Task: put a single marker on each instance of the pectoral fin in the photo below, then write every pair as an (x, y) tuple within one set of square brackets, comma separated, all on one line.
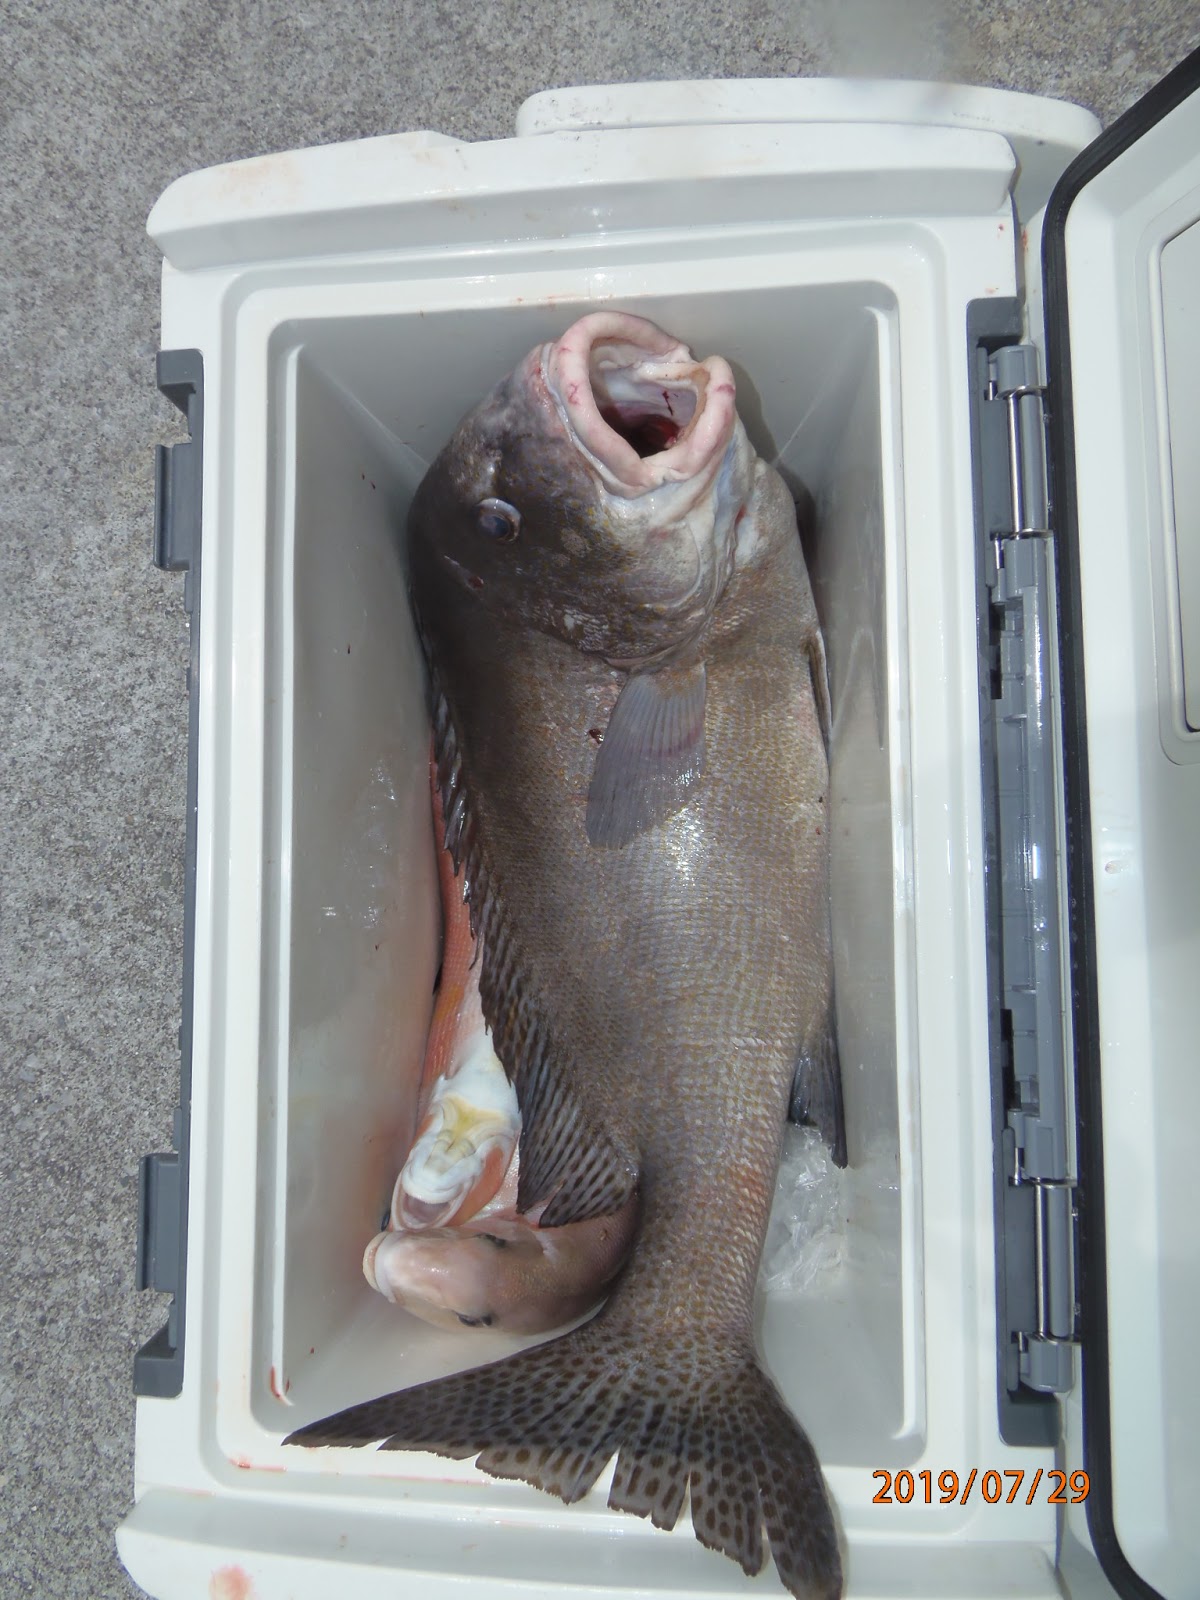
[(652, 756)]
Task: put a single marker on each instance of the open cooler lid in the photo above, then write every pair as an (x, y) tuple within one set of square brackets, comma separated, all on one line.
[(1121, 269)]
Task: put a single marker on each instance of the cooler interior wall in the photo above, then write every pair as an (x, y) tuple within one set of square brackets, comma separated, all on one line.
[(359, 406)]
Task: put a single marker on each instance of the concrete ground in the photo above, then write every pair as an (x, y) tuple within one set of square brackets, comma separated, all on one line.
[(101, 106)]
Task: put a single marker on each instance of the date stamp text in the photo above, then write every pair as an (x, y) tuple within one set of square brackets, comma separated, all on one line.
[(953, 1488)]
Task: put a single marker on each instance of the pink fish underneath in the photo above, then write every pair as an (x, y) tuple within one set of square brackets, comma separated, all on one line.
[(469, 1123), (501, 1271)]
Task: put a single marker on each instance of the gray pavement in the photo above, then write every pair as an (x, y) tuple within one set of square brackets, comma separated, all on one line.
[(102, 104)]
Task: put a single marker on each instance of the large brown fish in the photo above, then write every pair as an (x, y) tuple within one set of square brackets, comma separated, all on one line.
[(628, 703)]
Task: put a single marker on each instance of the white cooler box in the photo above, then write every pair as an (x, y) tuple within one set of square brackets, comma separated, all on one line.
[(894, 271)]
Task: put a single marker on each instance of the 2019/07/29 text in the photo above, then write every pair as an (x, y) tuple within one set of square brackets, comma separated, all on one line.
[(901, 1487)]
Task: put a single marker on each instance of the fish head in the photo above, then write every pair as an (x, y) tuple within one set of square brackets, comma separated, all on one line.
[(456, 1277), (594, 493)]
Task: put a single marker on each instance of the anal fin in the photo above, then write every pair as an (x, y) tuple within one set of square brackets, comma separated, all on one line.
[(567, 1164)]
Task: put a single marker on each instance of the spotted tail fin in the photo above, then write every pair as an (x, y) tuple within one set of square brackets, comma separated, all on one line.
[(680, 1413)]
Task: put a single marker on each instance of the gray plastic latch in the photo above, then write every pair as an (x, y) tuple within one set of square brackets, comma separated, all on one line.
[(158, 1233), (177, 467), (1021, 788), (162, 1219)]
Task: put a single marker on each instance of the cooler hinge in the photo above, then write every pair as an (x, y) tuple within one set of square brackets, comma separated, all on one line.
[(1036, 1146), (1022, 804)]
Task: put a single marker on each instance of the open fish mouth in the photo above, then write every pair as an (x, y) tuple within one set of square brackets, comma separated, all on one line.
[(638, 403)]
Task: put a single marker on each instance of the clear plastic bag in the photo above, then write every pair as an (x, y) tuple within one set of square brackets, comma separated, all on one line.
[(806, 1237)]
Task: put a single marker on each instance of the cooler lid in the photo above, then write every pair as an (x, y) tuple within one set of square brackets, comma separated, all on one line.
[(1121, 270)]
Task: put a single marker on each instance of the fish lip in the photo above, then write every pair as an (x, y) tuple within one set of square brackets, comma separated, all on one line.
[(701, 444), (368, 1264)]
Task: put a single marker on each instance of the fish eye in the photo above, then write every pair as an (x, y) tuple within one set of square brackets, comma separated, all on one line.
[(498, 520)]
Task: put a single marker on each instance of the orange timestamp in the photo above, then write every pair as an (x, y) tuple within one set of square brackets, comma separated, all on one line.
[(992, 1486)]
